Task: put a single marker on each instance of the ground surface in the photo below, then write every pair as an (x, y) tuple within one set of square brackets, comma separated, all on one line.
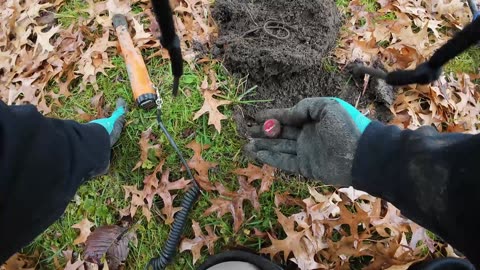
[(284, 65)]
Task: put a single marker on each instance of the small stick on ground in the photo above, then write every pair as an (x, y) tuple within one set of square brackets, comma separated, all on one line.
[(366, 79)]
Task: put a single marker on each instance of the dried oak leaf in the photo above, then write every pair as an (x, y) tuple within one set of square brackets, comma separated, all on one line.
[(233, 202), (18, 262), (150, 184), (98, 103), (354, 194), (142, 198), (94, 60), (141, 37), (138, 200), (354, 220), (204, 183), (68, 254), (266, 174), (84, 227), (74, 266), (43, 38), (295, 243), (195, 245), (286, 199), (201, 166), (163, 191), (392, 220), (110, 241), (145, 146), (210, 106)]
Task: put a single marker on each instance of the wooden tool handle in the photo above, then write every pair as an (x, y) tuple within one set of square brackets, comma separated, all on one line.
[(141, 84)]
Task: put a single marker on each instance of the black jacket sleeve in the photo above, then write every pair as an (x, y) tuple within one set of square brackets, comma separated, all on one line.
[(42, 163), (433, 178)]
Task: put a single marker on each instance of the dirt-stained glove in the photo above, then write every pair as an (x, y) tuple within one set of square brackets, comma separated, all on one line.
[(114, 124), (318, 139)]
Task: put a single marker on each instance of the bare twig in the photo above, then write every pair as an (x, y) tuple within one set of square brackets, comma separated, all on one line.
[(366, 79)]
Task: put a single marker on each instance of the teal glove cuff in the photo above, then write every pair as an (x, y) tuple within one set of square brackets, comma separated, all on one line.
[(358, 118), (109, 123)]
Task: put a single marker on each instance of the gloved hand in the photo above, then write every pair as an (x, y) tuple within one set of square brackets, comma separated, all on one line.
[(318, 139), (423, 74), (114, 124)]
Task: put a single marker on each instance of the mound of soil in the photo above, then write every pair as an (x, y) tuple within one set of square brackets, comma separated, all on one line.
[(281, 45)]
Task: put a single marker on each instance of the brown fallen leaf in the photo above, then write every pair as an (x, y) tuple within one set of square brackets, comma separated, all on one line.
[(266, 174), (195, 245), (286, 199), (163, 191), (233, 202), (153, 186), (74, 266), (252, 172), (197, 162), (146, 138), (68, 254), (43, 38), (204, 183), (210, 106), (220, 206), (137, 200), (354, 220), (94, 60), (295, 243), (84, 226), (100, 240), (110, 241), (98, 103), (150, 184), (392, 221), (18, 262)]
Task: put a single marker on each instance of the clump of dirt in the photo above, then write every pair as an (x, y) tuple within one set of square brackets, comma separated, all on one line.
[(282, 47)]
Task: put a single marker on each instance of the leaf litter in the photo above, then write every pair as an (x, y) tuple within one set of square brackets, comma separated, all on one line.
[(329, 230), (153, 186), (401, 34), (35, 49)]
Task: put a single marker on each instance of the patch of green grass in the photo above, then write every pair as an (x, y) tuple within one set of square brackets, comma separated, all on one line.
[(342, 3), (384, 43), (361, 22), (370, 5), (70, 12), (389, 16), (467, 62), (329, 65)]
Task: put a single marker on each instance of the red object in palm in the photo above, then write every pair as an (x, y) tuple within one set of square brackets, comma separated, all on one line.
[(272, 128)]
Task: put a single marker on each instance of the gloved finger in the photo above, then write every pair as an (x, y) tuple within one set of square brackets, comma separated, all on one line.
[(120, 109), (301, 113), (121, 103), (276, 145), (282, 161), (288, 132)]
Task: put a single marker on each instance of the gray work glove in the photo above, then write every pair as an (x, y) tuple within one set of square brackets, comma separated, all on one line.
[(318, 139), (114, 124)]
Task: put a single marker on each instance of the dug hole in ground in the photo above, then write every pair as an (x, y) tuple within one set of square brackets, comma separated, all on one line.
[(283, 48)]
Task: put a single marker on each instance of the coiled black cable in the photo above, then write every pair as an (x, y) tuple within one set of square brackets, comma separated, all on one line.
[(170, 248)]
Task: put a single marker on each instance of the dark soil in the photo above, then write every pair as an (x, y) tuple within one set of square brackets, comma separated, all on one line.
[(286, 64)]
